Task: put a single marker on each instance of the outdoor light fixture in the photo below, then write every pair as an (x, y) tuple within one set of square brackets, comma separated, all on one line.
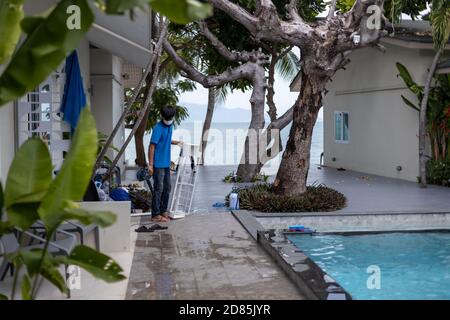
[(356, 39), (399, 168)]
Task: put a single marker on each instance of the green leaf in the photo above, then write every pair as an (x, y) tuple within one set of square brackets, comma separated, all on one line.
[(410, 104), (3, 297), (44, 50), (182, 11), (2, 200), (29, 24), (405, 75), (440, 20), (53, 275), (23, 192), (26, 288), (23, 215), (46, 266), (72, 180), (99, 265), (11, 13), (121, 6), (100, 218), (5, 228)]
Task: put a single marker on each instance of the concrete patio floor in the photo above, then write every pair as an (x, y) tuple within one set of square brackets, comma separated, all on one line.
[(364, 192), (369, 193), (205, 256)]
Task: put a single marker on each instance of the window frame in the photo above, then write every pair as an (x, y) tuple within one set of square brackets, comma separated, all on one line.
[(342, 141)]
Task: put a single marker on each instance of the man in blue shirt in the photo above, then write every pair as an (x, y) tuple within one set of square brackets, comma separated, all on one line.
[(159, 164)]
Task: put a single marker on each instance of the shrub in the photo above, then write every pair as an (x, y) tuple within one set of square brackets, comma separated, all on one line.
[(438, 172), (232, 177), (261, 197)]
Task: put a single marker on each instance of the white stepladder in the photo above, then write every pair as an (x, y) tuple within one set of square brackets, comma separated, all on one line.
[(183, 192)]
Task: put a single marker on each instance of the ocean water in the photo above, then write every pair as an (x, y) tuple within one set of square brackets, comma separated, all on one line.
[(226, 143), (387, 266)]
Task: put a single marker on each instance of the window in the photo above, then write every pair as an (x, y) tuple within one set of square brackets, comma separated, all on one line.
[(341, 132)]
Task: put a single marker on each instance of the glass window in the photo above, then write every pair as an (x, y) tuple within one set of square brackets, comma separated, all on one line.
[(341, 126)]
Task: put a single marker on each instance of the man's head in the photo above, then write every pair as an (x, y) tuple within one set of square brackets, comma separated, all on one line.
[(167, 114)]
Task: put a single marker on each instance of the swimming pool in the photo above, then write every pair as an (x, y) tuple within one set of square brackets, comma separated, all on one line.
[(384, 266)]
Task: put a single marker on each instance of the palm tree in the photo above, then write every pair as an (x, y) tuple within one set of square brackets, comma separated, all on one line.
[(440, 22)]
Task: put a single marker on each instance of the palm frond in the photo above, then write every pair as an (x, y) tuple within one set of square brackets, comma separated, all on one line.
[(440, 20), (221, 94), (288, 66)]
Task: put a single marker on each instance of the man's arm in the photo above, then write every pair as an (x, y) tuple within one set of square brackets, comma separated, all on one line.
[(177, 143), (151, 154)]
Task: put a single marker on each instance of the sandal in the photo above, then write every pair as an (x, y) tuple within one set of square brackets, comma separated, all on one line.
[(157, 227), (144, 229), (160, 218)]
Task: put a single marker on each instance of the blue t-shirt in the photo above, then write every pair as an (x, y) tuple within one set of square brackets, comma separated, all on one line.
[(162, 139)]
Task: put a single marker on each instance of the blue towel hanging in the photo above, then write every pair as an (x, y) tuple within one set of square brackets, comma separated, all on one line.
[(74, 99)]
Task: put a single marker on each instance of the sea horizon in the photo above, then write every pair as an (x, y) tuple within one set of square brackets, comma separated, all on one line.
[(226, 143)]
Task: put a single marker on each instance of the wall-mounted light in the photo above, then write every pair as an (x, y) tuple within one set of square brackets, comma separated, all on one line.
[(356, 39), (399, 168)]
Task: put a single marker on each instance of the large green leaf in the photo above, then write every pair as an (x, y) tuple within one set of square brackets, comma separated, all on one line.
[(2, 200), (28, 180), (43, 50), (72, 180), (182, 11), (11, 13), (121, 6), (440, 20), (96, 263), (100, 218), (3, 297), (179, 11), (5, 228), (405, 75), (45, 265), (410, 104), (26, 288)]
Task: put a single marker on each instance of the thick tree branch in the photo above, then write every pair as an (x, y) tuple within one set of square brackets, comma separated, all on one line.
[(283, 120), (291, 8), (266, 25), (332, 9), (244, 71), (239, 56)]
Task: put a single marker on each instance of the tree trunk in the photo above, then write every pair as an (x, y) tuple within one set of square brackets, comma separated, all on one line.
[(141, 160), (208, 120), (423, 121), (293, 172), (250, 160)]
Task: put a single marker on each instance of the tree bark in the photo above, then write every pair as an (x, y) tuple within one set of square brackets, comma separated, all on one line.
[(250, 160), (141, 160), (293, 172), (423, 121), (208, 120)]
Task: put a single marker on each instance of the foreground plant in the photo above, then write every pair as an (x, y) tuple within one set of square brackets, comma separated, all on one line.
[(31, 197)]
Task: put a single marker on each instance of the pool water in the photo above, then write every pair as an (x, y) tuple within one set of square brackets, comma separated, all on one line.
[(387, 266)]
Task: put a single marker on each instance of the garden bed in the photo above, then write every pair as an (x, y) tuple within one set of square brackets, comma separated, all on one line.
[(261, 197)]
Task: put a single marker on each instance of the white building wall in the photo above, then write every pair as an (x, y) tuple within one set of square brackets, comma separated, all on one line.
[(383, 130)]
